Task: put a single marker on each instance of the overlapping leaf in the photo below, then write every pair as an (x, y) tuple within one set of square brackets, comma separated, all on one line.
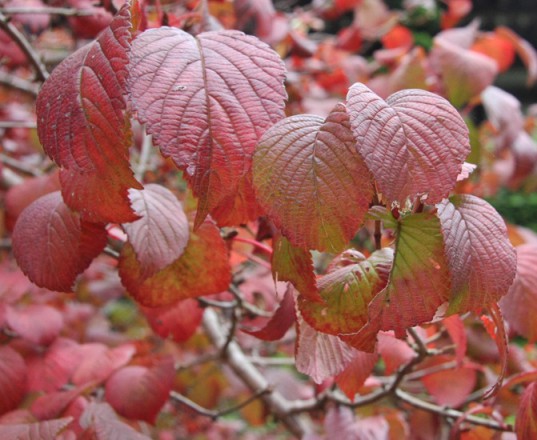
[(482, 261), (414, 143), (351, 379), (12, 379), (83, 128), (160, 235), (311, 182), (207, 100), (53, 245)]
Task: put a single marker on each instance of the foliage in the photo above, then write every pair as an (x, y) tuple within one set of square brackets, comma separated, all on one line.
[(250, 224)]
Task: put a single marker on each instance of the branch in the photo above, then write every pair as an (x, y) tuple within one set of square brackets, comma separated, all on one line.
[(22, 42), (68, 12), (17, 83), (18, 165)]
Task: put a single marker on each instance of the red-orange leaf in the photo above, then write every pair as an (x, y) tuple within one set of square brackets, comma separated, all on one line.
[(202, 269), (481, 259), (414, 143), (53, 245), (311, 182), (83, 128), (526, 418), (160, 236), (207, 100), (351, 379), (12, 379)]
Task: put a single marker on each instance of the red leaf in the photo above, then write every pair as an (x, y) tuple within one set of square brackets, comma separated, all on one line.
[(295, 265), (499, 48), (37, 323), (138, 392), (351, 379), (47, 430), (12, 379), (52, 405), (519, 306), (457, 332), (180, 320), (100, 420), (53, 245), (398, 36), (203, 269), (218, 92), (526, 417), (525, 50), (394, 352), (282, 319), (481, 259), (311, 182), (82, 105), (414, 143), (160, 236)]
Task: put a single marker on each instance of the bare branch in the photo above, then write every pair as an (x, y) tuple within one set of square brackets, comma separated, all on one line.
[(19, 166), (67, 12), (17, 83)]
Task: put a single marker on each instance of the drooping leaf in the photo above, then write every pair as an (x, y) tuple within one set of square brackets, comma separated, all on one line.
[(419, 279), (160, 236), (295, 265), (37, 323), (414, 143), (83, 128), (481, 259), (53, 245), (12, 379), (282, 319), (347, 292), (465, 74), (207, 100), (202, 269), (139, 392), (311, 182), (178, 321), (47, 430), (351, 379), (526, 418), (519, 306)]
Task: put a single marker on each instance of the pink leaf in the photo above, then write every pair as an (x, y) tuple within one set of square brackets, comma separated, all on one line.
[(351, 379), (83, 128), (414, 143), (482, 261), (217, 93), (98, 362), (12, 379), (47, 430), (53, 245), (311, 182), (37, 323), (139, 392), (179, 320), (160, 236), (462, 37), (52, 405), (519, 306), (394, 352), (526, 417)]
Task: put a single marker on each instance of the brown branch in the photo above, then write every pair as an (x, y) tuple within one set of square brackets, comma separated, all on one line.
[(17, 83), (68, 12)]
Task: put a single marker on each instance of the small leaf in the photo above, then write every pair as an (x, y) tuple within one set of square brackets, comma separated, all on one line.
[(202, 269), (12, 379), (138, 392), (47, 430), (160, 236), (526, 418), (481, 260), (414, 143), (53, 245), (351, 379), (37, 323), (83, 128), (207, 100), (311, 182), (394, 352)]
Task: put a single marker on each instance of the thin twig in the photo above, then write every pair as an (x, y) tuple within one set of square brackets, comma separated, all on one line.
[(17, 83), (20, 166), (49, 10), (18, 124)]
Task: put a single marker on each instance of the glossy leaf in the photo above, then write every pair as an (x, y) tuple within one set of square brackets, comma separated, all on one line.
[(161, 234), (189, 276), (351, 379), (311, 182), (519, 306), (207, 100), (526, 418), (481, 260), (12, 379), (83, 128), (47, 430), (53, 245), (37, 323), (139, 392), (414, 143)]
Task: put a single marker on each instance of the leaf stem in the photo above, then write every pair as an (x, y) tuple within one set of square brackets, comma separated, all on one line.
[(256, 244)]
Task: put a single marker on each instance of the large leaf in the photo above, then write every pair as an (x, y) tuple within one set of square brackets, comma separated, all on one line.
[(481, 259), (12, 379), (83, 128), (347, 292), (47, 430), (207, 100), (311, 182), (414, 143), (160, 236), (202, 269), (419, 280), (526, 418), (53, 245), (519, 306)]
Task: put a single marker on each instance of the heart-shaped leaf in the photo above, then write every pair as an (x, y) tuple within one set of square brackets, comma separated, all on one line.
[(414, 143), (207, 100)]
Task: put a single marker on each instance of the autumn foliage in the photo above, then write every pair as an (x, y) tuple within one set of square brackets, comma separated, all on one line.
[(220, 220)]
